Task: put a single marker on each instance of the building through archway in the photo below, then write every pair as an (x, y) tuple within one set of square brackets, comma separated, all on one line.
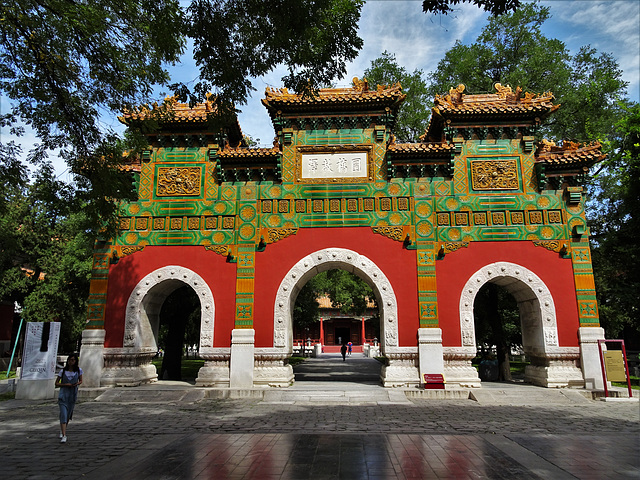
[(425, 224)]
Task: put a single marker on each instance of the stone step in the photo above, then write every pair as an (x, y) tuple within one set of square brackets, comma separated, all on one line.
[(379, 396)]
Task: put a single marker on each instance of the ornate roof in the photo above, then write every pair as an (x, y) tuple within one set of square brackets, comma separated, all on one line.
[(174, 115), (170, 111), (419, 149), (250, 153), (357, 97), (570, 154), (504, 102)]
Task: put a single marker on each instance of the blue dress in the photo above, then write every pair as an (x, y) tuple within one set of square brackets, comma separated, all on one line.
[(68, 396)]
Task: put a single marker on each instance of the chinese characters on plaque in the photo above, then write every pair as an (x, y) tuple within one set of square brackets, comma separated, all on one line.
[(334, 165)]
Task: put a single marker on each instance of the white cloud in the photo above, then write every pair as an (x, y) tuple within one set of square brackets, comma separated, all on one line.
[(609, 27)]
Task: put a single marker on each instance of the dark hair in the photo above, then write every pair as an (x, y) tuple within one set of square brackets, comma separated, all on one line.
[(75, 367)]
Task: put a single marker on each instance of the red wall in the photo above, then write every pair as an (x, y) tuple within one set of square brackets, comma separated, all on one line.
[(213, 268), (457, 267), (397, 263)]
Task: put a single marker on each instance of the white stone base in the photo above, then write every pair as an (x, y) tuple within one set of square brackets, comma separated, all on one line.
[(464, 376), (402, 370), (458, 370), (127, 368), (92, 357), (554, 376), (430, 351), (241, 363), (590, 356), (129, 376), (213, 375), (35, 389), (557, 368)]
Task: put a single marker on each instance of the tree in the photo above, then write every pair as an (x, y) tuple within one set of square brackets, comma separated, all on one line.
[(236, 40), (347, 292), (615, 227), (496, 7), (497, 323), (63, 64), (411, 121), (511, 50), (45, 253)]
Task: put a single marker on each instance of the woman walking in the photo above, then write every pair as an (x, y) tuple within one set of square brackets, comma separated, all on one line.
[(68, 380)]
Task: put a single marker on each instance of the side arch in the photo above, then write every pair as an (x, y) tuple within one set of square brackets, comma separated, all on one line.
[(535, 303), (145, 303)]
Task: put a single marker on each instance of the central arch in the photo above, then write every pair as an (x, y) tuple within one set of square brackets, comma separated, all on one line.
[(327, 259)]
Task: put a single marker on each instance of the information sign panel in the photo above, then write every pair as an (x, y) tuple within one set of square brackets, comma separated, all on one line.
[(614, 365), (40, 352)]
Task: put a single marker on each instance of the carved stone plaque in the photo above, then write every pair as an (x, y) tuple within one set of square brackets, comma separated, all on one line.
[(334, 165)]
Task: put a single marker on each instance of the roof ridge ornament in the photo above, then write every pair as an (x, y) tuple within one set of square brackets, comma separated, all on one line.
[(360, 85)]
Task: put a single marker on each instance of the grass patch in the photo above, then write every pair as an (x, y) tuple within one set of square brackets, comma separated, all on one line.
[(12, 374), (293, 361), (7, 396), (635, 383), (188, 368), (383, 360)]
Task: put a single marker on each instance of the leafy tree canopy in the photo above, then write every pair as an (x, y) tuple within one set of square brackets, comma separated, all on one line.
[(347, 292), (236, 40), (615, 227), (496, 7), (63, 64), (411, 121), (512, 50), (45, 258)]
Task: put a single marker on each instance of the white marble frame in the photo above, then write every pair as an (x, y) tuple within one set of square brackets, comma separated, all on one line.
[(145, 302), (321, 261), (535, 302)]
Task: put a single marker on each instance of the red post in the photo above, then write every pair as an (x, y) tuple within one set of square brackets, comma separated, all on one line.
[(321, 331), (363, 337)]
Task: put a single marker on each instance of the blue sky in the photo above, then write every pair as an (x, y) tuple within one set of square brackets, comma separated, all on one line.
[(419, 41)]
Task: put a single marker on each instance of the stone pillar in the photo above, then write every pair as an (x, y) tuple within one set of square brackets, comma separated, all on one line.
[(590, 356), (242, 352), (430, 353), (92, 357)]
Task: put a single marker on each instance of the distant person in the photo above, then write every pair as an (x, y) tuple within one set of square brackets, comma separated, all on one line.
[(68, 380), (343, 351), (350, 348)]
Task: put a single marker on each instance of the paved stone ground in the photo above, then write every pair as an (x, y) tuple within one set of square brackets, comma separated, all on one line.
[(172, 435)]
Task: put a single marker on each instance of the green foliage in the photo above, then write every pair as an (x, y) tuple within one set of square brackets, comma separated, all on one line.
[(512, 50), (62, 62), (47, 242), (347, 292), (293, 361), (496, 7), (414, 111), (615, 228), (306, 310), (236, 40), (497, 319)]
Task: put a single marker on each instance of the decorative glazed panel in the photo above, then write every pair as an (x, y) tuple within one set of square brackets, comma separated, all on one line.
[(178, 181), (494, 174)]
